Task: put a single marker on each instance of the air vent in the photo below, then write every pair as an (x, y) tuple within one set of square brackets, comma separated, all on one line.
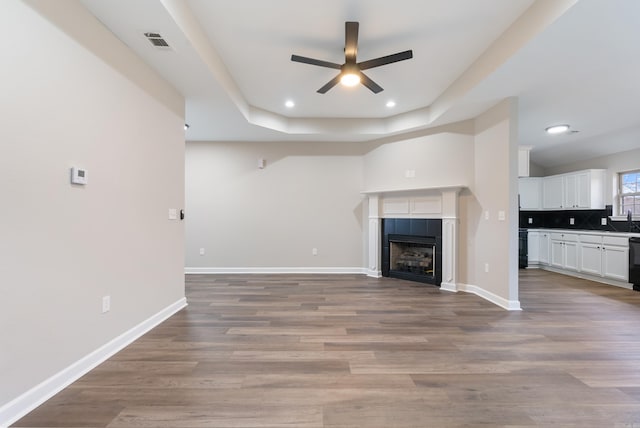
[(157, 41)]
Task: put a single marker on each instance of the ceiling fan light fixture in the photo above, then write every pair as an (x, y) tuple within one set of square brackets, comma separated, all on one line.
[(350, 79), (557, 129)]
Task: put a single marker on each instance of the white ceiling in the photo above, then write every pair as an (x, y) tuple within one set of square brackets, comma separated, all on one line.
[(566, 61)]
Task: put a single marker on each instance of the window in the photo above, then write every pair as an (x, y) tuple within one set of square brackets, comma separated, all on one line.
[(630, 192)]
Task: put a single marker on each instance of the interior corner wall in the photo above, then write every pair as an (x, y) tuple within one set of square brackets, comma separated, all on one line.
[(492, 265), (250, 219), (62, 246)]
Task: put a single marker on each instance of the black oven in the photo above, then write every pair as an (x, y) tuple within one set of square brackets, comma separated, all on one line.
[(634, 262), (523, 248)]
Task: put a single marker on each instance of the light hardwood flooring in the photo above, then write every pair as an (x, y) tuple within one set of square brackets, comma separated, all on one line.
[(352, 351)]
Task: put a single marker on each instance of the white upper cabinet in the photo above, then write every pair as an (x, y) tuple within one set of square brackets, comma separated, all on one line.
[(576, 190), (553, 192), (530, 190)]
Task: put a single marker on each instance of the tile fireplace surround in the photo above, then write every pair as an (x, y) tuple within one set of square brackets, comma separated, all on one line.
[(428, 203)]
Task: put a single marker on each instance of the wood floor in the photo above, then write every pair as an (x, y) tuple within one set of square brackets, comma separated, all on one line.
[(351, 351)]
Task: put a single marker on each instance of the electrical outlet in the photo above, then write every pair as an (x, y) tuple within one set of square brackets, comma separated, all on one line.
[(202, 251), (173, 213), (106, 304), (501, 215), (486, 215), (486, 267), (603, 221), (314, 251), (530, 220), (410, 173), (572, 221)]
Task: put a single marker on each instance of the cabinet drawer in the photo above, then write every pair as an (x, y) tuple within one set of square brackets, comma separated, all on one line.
[(591, 239), (615, 240)]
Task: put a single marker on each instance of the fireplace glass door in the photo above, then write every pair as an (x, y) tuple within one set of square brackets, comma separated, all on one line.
[(412, 258)]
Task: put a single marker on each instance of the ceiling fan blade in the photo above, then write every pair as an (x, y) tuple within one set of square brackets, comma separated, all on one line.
[(333, 82), (350, 41), (305, 60), (375, 88), (384, 60)]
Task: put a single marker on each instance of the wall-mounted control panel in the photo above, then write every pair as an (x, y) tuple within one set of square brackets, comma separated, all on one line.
[(79, 175)]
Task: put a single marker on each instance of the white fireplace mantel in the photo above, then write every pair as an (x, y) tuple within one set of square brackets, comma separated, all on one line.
[(424, 202)]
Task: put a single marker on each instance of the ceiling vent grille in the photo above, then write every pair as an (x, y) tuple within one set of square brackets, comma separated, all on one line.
[(157, 41)]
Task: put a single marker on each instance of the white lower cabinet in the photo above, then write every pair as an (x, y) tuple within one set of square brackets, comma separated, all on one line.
[(533, 248), (543, 248), (564, 251), (595, 255), (615, 258)]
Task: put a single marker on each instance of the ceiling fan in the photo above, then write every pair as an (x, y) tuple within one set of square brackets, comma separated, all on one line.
[(351, 71)]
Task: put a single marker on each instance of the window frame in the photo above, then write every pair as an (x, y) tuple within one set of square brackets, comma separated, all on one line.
[(621, 195)]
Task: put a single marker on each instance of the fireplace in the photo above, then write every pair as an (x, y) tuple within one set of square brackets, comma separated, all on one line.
[(411, 249)]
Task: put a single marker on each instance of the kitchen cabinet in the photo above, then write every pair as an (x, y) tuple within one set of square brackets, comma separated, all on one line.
[(591, 254), (533, 248), (564, 251), (553, 192), (543, 248), (615, 258), (599, 256), (584, 190), (576, 190), (606, 256), (530, 191)]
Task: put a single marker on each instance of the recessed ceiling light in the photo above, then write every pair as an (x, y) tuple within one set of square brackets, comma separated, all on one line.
[(557, 129), (289, 104), (391, 103), (186, 126)]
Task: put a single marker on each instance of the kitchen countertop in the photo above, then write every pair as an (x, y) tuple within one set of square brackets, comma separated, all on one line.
[(587, 232)]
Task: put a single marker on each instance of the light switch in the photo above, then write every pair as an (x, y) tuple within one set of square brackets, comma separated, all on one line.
[(173, 213), (486, 215), (501, 215), (79, 176)]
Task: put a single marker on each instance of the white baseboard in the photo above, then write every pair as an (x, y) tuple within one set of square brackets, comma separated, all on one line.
[(274, 270), (25, 403), (510, 305), (373, 273), (449, 286), (588, 277)]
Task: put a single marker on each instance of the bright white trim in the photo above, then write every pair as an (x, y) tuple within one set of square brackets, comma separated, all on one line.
[(588, 277), (25, 403), (449, 286), (275, 270), (374, 273), (510, 305)]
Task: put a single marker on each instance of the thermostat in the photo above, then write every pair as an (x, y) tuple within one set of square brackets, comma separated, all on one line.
[(78, 175)]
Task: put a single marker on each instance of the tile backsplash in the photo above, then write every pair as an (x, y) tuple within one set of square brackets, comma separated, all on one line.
[(573, 219)]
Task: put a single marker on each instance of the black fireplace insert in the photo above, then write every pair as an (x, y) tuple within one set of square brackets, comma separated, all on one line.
[(412, 249)]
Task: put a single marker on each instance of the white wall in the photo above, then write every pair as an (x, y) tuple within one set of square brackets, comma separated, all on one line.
[(248, 219), (491, 243), (64, 247)]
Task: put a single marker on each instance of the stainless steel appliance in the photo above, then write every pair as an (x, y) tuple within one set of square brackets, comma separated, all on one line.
[(634, 262)]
